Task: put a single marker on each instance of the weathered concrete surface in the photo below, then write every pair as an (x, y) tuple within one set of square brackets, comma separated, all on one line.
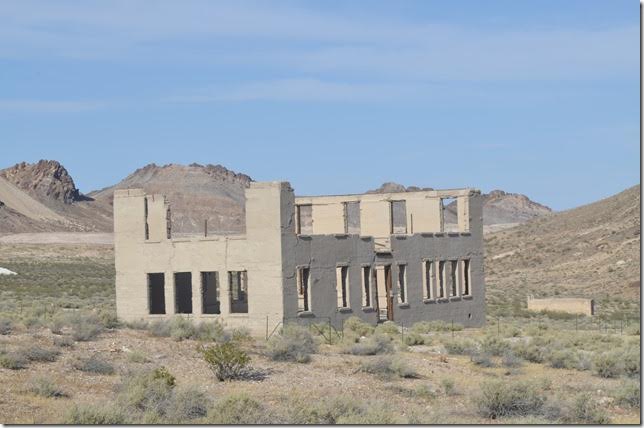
[(270, 252), (562, 304)]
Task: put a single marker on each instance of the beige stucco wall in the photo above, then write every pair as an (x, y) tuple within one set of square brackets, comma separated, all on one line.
[(258, 252), (423, 209), (563, 304)]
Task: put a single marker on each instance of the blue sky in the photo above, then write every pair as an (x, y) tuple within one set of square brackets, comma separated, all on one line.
[(538, 97)]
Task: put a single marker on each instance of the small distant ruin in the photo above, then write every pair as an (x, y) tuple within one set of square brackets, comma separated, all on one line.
[(379, 257), (562, 304)]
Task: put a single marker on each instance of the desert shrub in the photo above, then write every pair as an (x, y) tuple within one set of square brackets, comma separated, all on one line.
[(240, 334), (63, 341), (357, 326), (94, 364), (294, 343), (160, 328), (498, 399), (631, 361), (413, 339), (371, 414), (633, 329), (139, 324), (562, 359), (13, 360), (388, 366), (226, 360), (44, 387), (181, 328), (529, 352), (494, 345), (448, 386), (137, 357), (584, 360), (510, 360), (57, 323), (388, 328), (372, 345), (108, 319), (585, 410), (95, 415), (148, 391), (186, 405), (425, 327), (85, 329), (36, 353), (481, 359), (607, 364), (460, 346), (238, 409), (6, 326), (628, 394), (328, 410)]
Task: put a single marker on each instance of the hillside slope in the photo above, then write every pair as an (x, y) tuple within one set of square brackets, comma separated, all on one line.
[(195, 192), (590, 251)]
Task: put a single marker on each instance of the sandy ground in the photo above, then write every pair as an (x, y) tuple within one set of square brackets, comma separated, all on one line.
[(59, 238)]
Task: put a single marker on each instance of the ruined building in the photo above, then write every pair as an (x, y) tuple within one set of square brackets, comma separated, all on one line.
[(387, 256)]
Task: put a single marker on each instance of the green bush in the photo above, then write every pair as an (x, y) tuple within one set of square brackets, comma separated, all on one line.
[(372, 345), (585, 410), (502, 398), (460, 346), (211, 332), (181, 328), (238, 409), (36, 353), (13, 360), (608, 364), (388, 366), (628, 394), (6, 326), (357, 326), (44, 387), (94, 364), (95, 415), (294, 343), (494, 345), (226, 360), (186, 405)]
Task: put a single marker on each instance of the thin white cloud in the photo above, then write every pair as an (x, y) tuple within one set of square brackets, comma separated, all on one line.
[(293, 38), (47, 106)]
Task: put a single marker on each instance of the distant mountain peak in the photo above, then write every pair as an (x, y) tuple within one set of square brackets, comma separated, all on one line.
[(46, 180)]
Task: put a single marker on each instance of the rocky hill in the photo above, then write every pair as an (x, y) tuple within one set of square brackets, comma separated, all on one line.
[(195, 192), (591, 251), (499, 207)]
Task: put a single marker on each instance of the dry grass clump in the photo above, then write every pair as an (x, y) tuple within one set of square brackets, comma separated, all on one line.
[(628, 394), (608, 364), (95, 415), (294, 343), (94, 364), (460, 346), (372, 345), (13, 360), (6, 326), (585, 410), (424, 327), (63, 341), (388, 366), (38, 354), (341, 409), (241, 409), (482, 359), (180, 328), (494, 345), (44, 387), (509, 398), (358, 327)]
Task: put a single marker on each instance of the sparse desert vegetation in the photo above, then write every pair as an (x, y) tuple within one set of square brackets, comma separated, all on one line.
[(64, 358)]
